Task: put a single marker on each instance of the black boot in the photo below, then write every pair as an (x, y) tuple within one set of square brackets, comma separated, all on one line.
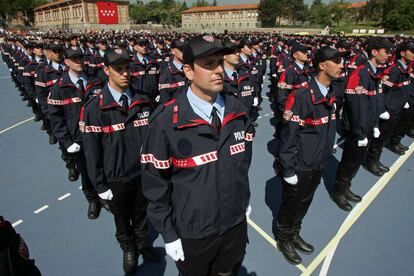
[(340, 201), (302, 245), (395, 149), (349, 195), (130, 258), (52, 139), (402, 147), (37, 117), (94, 209), (410, 132), (286, 246), (73, 174), (372, 166), (382, 167), (288, 251)]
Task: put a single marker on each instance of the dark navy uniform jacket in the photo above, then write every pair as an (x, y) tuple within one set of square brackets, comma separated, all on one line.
[(29, 75), (113, 137), (245, 88), (145, 77), (172, 82), (195, 180), (308, 134), (396, 87), (361, 107), (65, 103)]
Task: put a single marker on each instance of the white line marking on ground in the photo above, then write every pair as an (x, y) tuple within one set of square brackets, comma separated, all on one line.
[(16, 125), (17, 223), (264, 97), (266, 115), (41, 209), (356, 213), (259, 117), (269, 239), (6, 77), (64, 196)]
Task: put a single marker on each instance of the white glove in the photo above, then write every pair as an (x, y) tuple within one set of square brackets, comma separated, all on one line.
[(255, 101), (73, 148), (248, 211), (376, 132), (37, 100), (264, 77), (274, 75), (175, 250), (106, 195), (385, 115), (363, 142), (157, 99), (407, 105), (293, 180)]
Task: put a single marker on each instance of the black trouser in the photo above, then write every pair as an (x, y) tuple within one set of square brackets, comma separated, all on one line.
[(352, 158), (215, 254), (296, 200), (87, 186), (405, 123), (387, 129), (129, 208)]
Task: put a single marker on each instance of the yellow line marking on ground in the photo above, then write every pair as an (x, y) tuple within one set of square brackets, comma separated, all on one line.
[(269, 239), (358, 210), (16, 125)]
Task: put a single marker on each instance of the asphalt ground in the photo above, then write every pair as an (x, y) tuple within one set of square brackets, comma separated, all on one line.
[(50, 212)]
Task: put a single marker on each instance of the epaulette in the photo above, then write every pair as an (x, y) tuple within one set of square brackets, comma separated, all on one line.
[(160, 109)]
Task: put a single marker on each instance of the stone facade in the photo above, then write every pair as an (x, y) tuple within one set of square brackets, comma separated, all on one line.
[(78, 14), (219, 18)]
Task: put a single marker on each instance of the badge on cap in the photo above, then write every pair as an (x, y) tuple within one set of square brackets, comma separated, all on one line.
[(118, 51), (208, 38)]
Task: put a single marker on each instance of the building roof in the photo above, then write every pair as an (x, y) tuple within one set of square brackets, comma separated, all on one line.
[(357, 5), (58, 2), (238, 7)]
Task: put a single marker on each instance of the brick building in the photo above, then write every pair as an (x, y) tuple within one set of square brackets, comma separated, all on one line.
[(83, 14), (219, 18)]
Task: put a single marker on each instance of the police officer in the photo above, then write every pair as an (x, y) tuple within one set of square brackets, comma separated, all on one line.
[(307, 138), (115, 123), (172, 79), (144, 70), (65, 101), (360, 122), (195, 163)]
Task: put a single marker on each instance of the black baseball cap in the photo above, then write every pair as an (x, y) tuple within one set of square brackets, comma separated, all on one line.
[(378, 43), (202, 46), (231, 44), (178, 43), (141, 41), (326, 53), (116, 56), (297, 47), (73, 52), (406, 46), (245, 41), (56, 46)]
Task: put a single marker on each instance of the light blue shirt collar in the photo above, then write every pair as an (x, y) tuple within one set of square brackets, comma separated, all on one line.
[(243, 58), (74, 79), (102, 53), (373, 67), (177, 65), (324, 90), (117, 95), (403, 64), (141, 58), (56, 65), (229, 72), (300, 65), (203, 108)]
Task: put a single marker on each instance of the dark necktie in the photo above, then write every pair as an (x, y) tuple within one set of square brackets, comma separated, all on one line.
[(124, 100), (81, 86), (234, 75), (215, 121)]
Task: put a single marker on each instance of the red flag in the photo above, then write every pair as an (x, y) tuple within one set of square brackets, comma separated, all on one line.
[(107, 12)]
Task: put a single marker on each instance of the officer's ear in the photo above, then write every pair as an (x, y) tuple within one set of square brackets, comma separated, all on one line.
[(106, 70), (66, 61), (189, 71)]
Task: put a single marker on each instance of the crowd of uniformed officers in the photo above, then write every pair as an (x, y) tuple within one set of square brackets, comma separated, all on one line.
[(160, 126)]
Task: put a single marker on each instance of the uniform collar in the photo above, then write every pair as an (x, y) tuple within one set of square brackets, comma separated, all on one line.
[(75, 79), (117, 95), (203, 108), (317, 96)]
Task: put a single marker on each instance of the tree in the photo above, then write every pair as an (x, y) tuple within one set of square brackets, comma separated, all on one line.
[(215, 3), (184, 6), (337, 9), (400, 16), (270, 10), (9, 9), (319, 13), (201, 3)]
